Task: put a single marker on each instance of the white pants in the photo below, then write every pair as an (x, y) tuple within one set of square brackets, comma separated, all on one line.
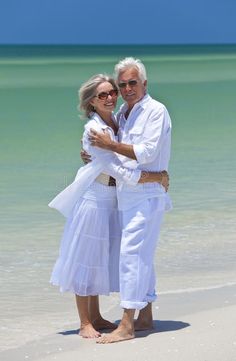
[(141, 227)]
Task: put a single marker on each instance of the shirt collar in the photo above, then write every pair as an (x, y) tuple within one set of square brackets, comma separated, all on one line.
[(100, 121)]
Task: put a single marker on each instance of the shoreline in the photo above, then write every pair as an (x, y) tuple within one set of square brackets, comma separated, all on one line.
[(194, 325), (196, 289)]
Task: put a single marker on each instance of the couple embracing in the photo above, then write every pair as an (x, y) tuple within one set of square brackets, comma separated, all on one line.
[(115, 206)]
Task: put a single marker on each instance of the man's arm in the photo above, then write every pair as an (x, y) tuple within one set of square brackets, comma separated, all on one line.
[(112, 169), (104, 141), (145, 151), (111, 163)]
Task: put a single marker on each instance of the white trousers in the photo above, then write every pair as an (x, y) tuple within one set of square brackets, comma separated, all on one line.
[(141, 228)]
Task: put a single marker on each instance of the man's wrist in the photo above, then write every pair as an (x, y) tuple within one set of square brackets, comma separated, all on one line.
[(161, 177), (113, 146)]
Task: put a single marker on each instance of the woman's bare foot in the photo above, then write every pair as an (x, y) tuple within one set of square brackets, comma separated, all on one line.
[(88, 331), (102, 324), (120, 334)]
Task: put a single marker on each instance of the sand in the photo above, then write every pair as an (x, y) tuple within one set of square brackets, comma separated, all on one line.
[(194, 325)]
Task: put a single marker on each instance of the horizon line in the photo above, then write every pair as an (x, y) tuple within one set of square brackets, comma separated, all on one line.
[(117, 44)]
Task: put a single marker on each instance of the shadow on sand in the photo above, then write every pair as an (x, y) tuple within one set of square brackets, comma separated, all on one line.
[(163, 326), (159, 326)]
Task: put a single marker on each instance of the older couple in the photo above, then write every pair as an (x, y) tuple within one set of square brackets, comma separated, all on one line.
[(107, 248)]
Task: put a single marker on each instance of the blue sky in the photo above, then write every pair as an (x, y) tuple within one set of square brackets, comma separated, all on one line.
[(117, 22)]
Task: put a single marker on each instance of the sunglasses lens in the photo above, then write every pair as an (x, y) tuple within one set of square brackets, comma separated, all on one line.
[(122, 85), (102, 96), (113, 93), (132, 82), (105, 95)]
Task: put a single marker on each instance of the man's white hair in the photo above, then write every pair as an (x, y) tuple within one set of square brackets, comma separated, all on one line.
[(128, 63)]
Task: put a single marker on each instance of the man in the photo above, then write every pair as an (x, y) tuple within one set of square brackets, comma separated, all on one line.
[(144, 142)]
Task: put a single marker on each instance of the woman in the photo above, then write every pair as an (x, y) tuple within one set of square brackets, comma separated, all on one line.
[(88, 264)]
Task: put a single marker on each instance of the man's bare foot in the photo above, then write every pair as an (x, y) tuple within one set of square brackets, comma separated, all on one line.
[(87, 331), (145, 319), (102, 324), (143, 325), (120, 334)]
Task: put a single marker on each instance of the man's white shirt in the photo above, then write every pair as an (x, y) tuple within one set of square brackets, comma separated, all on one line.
[(148, 129)]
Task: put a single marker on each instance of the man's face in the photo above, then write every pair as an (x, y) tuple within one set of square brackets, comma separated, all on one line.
[(131, 93)]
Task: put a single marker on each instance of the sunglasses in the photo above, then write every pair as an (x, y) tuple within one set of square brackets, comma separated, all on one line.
[(104, 95), (130, 83)]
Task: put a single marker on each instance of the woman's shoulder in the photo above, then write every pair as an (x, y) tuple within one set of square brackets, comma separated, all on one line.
[(90, 124), (94, 123)]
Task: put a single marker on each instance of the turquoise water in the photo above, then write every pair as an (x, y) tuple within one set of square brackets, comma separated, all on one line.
[(40, 134)]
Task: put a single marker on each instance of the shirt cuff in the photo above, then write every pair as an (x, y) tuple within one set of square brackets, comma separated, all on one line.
[(135, 176), (139, 151)]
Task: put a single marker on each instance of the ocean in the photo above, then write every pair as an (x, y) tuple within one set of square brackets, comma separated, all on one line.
[(40, 130)]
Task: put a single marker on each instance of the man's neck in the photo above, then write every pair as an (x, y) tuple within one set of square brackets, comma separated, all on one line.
[(128, 112), (130, 107)]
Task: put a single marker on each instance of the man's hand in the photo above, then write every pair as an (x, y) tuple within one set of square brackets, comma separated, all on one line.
[(86, 158), (165, 180), (101, 140), (159, 177)]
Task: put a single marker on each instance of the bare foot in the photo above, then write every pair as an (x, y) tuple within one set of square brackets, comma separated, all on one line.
[(120, 334), (142, 325), (87, 331), (101, 324), (145, 319)]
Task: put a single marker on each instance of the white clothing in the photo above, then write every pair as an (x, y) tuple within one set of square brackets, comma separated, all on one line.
[(141, 227), (103, 161), (88, 262), (148, 129)]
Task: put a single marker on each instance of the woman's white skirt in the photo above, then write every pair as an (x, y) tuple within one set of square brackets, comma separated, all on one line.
[(88, 262)]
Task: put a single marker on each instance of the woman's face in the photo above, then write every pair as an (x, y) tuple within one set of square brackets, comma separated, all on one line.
[(106, 98)]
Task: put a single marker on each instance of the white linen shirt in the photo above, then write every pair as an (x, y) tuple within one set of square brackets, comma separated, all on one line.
[(148, 129)]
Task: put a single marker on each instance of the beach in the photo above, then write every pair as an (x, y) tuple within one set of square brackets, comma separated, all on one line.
[(193, 325), (39, 156)]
